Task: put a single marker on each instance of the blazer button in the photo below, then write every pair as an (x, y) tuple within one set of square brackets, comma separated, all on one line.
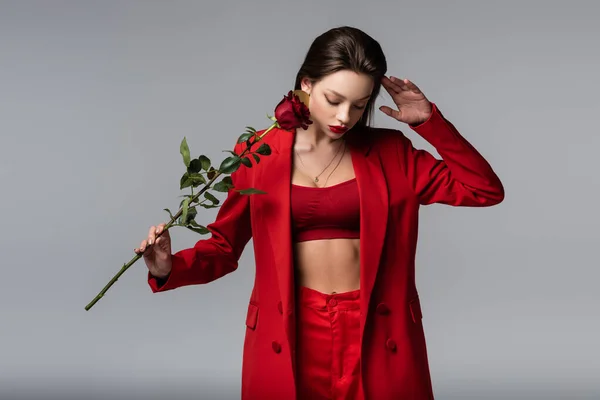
[(276, 347), (391, 345), (280, 307), (383, 309)]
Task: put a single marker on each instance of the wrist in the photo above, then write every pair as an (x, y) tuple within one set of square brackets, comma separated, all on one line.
[(160, 275)]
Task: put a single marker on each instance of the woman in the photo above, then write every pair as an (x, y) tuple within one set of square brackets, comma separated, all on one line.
[(334, 312)]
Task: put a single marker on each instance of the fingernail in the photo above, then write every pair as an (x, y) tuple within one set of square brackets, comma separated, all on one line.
[(150, 241)]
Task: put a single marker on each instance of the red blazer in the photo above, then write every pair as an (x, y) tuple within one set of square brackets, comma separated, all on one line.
[(394, 180)]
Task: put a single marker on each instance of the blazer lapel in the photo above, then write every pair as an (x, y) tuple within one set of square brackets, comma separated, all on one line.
[(274, 177), (281, 226), (373, 192)]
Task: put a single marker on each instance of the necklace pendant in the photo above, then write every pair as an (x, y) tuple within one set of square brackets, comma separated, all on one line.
[(316, 179)]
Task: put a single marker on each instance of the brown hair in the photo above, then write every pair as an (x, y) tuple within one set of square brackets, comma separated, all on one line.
[(345, 48)]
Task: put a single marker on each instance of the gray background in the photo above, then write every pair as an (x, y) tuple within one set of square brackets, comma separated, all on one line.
[(95, 97)]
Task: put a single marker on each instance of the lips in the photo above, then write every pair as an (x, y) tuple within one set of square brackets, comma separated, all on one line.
[(338, 129)]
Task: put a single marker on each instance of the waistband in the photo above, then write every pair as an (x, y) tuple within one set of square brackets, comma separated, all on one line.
[(321, 301)]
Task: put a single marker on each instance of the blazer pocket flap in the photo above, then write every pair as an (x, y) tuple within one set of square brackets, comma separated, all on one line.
[(252, 316), (415, 309)]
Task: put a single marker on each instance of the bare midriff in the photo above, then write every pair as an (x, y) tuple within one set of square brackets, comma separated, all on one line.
[(328, 265)]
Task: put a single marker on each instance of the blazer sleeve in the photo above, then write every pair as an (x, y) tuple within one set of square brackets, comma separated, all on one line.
[(213, 258), (461, 178)]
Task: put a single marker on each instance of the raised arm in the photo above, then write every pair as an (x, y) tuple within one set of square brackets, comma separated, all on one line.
[(461, 178)]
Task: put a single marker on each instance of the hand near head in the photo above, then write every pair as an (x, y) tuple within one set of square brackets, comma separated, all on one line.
[(157, 251), (413, 106)]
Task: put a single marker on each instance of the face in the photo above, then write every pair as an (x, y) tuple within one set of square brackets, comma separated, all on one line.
[(338, 100)]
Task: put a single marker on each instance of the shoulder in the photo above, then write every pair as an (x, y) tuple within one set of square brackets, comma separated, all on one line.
[(383, 140)]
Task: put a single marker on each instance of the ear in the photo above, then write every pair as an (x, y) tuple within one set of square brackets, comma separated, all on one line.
[(306, 85)]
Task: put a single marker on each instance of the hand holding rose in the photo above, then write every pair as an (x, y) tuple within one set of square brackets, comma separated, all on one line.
[(292, 112), (156, 249)]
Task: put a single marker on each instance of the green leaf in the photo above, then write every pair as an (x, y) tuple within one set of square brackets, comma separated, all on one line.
[(192, 212), (210, 197), (230, 164), (244, 137), (184, 213), (202, 231), (185, 181), (169, 211), (195, 166), (190, 203), (185, 152), (205, 205), (205, 161), (250, 129), (191, 179), (246, 161), (197, 179), (264, 149), (224, 185), (256, 158), (251, 191), (197, 225)]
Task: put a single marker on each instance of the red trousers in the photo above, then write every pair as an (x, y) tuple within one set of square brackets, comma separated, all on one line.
[(328, 345)]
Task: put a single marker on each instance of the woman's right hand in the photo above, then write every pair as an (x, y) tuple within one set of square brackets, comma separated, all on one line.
[(157, 251)]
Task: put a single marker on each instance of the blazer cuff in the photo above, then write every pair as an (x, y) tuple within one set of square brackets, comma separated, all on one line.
[(436, 129), (168, 282)]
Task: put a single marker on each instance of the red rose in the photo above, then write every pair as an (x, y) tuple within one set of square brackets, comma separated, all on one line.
[(292, 112)]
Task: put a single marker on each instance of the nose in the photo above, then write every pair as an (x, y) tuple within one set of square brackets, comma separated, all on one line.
[(343, 117)]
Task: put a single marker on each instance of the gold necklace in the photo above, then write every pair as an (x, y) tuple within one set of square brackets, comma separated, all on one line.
[(317, 177), (337, 165)]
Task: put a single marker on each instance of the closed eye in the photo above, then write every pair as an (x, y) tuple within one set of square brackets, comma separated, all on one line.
[(335, 104)]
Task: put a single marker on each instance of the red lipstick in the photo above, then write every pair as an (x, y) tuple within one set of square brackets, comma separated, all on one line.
[(338, 129)]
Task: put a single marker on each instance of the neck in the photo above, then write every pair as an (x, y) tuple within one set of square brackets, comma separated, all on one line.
[(313, 137)]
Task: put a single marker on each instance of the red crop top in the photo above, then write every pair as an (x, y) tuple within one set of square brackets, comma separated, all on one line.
[(325, 213)]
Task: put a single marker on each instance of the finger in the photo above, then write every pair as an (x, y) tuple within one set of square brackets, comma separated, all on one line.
[(160, 228), (151, 235), (161, 245), (142, 247), (391, 112), (400, 84), (412, 86), (390, 86)]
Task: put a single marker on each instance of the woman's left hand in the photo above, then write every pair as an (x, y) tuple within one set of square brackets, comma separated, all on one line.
[(413, 106)]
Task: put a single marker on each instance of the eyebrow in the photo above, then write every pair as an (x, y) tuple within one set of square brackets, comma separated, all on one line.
[(337, 94)]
